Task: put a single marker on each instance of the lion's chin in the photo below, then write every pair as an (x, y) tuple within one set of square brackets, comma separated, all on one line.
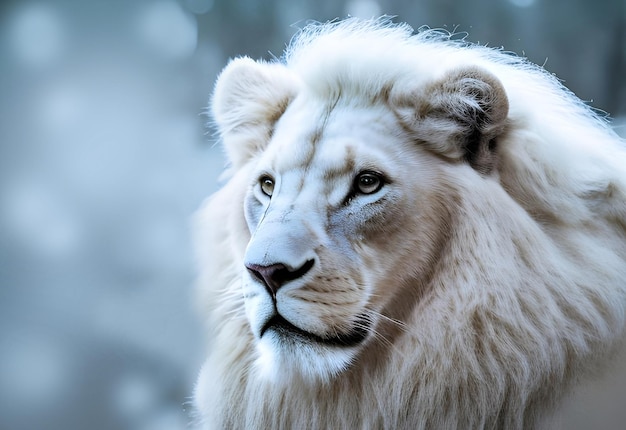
[(285, 352), (289, 333)]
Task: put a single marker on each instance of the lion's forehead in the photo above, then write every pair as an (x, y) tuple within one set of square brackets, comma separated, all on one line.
[(320, 144)]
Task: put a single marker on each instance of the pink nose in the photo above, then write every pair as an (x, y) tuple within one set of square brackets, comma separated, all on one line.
[(276, 275)]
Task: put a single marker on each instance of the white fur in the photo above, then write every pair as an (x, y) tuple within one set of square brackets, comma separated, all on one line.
[(493, 280)]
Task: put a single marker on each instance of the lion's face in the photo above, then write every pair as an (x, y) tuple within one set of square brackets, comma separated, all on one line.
[(332, 191), (348, 202)]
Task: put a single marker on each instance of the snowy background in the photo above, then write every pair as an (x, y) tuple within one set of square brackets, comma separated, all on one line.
[(105, 154)]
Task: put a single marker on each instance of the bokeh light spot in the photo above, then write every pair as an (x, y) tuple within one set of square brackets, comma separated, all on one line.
[(39, 219), (36, 370), (135, 395), (36, 34), (199, 6), (363, 8), (168, 30), (522, 3)]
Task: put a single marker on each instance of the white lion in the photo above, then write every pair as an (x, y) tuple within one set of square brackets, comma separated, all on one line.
[(415, 233)]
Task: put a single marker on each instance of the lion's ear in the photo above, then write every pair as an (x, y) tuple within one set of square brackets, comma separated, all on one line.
[(248, 99), (460, 116)]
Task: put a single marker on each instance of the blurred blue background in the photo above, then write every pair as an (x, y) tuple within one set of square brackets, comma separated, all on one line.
[(105, 154)]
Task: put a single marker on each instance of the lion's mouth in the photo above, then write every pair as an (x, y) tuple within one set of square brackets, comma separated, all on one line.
[(284, 328)]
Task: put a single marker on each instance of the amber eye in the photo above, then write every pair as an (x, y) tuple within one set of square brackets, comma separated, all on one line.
[(368, 182), (267, 185)]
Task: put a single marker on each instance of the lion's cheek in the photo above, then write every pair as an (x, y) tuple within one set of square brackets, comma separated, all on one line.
[(329, 304)]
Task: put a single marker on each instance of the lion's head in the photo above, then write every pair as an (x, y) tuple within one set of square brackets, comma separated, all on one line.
[(343, 207), (390, 207)]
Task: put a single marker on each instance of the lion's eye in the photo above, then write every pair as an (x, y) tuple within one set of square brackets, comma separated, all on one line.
[(267, 185), (368, 182)]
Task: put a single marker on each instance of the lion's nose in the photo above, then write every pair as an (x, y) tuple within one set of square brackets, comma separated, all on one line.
[(275, 276)]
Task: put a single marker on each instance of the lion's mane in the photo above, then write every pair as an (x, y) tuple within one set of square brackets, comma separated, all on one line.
[(509, 323)]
